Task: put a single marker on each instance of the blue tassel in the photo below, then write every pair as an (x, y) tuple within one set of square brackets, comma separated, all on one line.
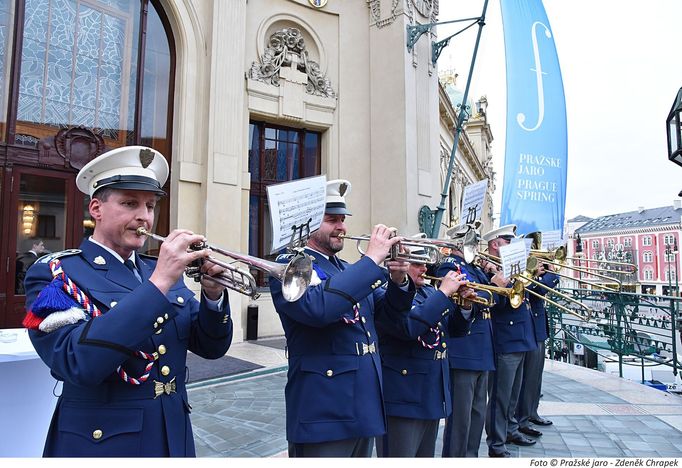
[(320, 272), (51, 299)]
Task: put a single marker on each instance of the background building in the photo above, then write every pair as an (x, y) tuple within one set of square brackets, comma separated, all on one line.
[(647, 237), (237, 95)]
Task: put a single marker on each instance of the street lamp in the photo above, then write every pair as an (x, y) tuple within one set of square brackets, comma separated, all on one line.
[(674, 127), (670, 257)]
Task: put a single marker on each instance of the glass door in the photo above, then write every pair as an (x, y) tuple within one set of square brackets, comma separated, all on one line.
[(41, 221)]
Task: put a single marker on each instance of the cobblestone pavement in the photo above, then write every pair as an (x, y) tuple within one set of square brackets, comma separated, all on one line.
[(594, 414)]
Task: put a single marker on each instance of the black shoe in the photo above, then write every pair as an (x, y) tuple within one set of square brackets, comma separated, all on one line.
[(504, 454), (530, 431), (520, 440), (540, 421)]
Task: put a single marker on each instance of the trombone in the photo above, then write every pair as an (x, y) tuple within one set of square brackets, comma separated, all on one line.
[(560, 255), (431, 257), (515, 293), (294, 276), (588, 271), (526, 279)]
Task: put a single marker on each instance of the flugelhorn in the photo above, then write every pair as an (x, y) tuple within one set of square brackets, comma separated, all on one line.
[(295, 276)]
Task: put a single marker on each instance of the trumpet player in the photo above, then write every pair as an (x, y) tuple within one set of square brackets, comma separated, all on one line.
[(118, 339), (415, 370), (470, 358), (534, 362), (333, 395), (513, 337)]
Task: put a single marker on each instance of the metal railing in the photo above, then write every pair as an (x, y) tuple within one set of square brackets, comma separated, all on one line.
[(643, 327)]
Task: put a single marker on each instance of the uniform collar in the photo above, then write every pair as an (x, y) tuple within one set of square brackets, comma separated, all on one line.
[(113, 253)]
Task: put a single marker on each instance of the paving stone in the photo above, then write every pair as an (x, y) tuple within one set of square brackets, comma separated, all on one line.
[(246, 418)]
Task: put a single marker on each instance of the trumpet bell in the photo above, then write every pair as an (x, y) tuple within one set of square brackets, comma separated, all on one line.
[(295, 277), (516, 296), (470, 246)]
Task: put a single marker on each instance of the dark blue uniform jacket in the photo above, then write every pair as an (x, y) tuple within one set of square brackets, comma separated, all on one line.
[(513, 329), (333, 389), (474, 350), (416, 377), (98, 414), (537, 305)]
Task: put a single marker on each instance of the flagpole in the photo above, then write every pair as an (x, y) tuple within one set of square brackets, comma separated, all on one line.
[(461, 118)]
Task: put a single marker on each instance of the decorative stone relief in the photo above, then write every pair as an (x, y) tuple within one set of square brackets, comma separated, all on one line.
[(375, 12), (286, 49), (73, 147), (426, 8)]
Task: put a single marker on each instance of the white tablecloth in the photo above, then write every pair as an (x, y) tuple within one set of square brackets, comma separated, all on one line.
[(26, 397)]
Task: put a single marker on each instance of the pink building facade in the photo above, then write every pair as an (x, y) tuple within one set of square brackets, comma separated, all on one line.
[(649, 238)]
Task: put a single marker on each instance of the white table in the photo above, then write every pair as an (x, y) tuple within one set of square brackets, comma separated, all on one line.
[(26, 397)]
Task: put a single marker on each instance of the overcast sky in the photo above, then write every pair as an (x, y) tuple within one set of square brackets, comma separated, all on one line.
[(621, 68)]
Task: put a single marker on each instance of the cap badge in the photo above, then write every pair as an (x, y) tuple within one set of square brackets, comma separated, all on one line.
[(342, 188), (99, 260), (146, 157)]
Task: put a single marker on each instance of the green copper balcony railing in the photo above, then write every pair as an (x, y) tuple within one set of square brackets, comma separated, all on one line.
[(640, 327)]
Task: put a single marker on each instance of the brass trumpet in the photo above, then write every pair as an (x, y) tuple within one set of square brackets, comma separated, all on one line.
[(526, 279), (431, 257), (515, 293), (295, 276)]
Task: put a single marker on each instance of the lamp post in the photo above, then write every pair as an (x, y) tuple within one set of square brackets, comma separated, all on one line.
[(674, 129), (579, 254)]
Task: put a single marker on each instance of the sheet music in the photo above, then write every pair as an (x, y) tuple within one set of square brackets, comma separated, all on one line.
[(473, 199), (551, 240), (293, 204), (514, 258)]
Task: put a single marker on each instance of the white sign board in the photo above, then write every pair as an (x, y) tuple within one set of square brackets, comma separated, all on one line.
[(513, 258), (578, 349), (294, 204), (472, 202)]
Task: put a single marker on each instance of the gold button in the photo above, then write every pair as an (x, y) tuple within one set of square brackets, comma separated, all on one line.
[(330, 373), (369, 335), (113, 304), (180, 300), (165, 316), (445, 345), (162, 349), (97, 434), (364, 320), (159, 320), (511, 322), (447, 310), (469, 333), (158, 332), (404, 371), (156, 325), (165, 370)]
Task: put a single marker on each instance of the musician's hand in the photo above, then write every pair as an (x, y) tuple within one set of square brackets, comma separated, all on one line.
[(174, 256), (499, 280), (380, 243), (451, 282), (210, 288), (397, 270), (489, 267), (466, 294)]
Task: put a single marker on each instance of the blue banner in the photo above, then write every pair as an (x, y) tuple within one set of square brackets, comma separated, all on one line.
[(534, 187)]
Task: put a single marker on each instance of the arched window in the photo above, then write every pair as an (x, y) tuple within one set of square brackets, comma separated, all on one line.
[(79, 77)]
